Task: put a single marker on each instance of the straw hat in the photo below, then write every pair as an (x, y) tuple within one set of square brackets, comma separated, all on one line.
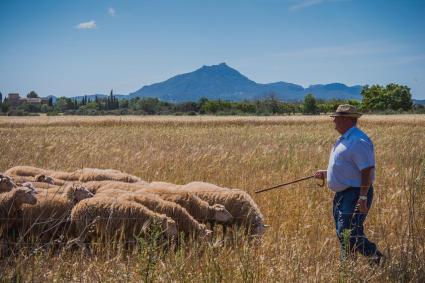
[(346, 110)]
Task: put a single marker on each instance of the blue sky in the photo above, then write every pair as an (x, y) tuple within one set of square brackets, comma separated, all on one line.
[(70, 48)]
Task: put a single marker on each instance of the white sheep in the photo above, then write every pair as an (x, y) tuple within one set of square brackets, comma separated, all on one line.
[(94, 174), (42, 185), (199, 209), (204, 186), (37, 179), (65, 176), (49, 218), (239, 203), (95, 186), (10, 206), (6, 184), (185, 222), (25, 171), (48, 179), (107, 219)]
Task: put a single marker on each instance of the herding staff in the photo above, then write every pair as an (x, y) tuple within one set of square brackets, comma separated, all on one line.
[(285, 184)]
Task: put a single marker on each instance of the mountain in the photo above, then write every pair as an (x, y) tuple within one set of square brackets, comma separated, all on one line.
[(419, 101), (223, 82)]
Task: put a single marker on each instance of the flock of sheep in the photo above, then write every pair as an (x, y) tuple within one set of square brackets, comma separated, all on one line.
[(92, 205)]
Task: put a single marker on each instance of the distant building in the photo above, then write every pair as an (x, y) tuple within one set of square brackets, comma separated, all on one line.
[(14, 100)]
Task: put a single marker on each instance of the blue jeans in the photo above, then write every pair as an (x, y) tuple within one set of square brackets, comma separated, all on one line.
[(349, 223)]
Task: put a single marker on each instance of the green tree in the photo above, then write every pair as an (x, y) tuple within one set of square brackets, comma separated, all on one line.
[(392, 97), (5, 106), (246, 107), (310, 106), (149, 105), (123, 103), (400, 97), (64, 103), (373, 97), (32, 94)]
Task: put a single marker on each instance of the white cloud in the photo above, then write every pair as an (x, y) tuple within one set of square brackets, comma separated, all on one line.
[(111, 12), (303, 4), (86, 25)]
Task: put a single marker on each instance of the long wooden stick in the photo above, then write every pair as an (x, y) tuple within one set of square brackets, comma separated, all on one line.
[(282, 185)]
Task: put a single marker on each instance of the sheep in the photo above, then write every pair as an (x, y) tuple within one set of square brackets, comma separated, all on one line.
[(94, 174), (6, 184), (185, 222), (48, 179), (22, 179), (108, 219), (199, 209), (65, 176), (204, 186), (10, 205), (38, 179), (95, 186), (25, 171), (42, 185), (49, 219), (239, 203)]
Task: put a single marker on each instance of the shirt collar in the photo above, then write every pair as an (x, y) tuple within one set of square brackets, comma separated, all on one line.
[(348, 132)]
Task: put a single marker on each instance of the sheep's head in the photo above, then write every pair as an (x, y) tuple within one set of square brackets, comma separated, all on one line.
[(6, 184), (25, 195), (259, 228), (221, 214), (81, 193), (43, 178)]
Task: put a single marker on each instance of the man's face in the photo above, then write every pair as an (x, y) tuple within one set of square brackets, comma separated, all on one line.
[(342, 124)]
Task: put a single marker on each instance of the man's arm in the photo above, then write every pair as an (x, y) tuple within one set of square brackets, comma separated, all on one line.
[(366, 182)]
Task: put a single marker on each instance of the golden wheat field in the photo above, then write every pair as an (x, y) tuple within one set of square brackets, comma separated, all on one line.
[(236, 152)]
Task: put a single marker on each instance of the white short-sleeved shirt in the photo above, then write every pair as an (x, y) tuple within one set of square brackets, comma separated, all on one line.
[(352, 152)]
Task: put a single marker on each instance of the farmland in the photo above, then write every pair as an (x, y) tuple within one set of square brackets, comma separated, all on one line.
[(235, 152)]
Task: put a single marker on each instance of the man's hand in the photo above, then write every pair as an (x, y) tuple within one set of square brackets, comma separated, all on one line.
[(362, 206), (320, 174)]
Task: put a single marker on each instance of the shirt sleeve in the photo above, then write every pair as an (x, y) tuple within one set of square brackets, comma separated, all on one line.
[(362, 154)]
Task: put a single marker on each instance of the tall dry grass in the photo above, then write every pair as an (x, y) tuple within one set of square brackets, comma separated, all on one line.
[(238, 152)]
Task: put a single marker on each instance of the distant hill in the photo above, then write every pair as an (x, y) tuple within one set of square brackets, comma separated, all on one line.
[(223, 82), (419, 101)]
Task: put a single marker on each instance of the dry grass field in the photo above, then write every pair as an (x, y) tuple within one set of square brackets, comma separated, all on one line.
[(236, 152)]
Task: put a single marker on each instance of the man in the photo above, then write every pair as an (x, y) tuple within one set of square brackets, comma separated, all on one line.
[(350, 174)]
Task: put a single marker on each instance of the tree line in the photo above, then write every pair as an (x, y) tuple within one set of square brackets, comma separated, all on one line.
[(392, 98)]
